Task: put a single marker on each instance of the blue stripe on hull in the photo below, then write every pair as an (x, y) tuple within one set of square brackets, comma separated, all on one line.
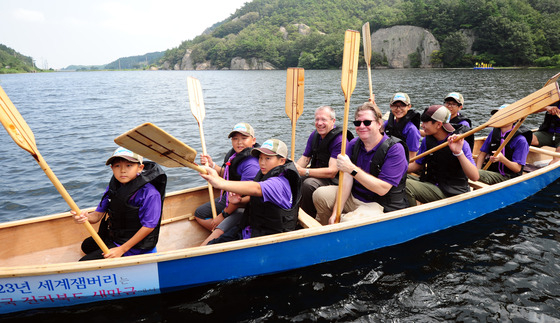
[(266, 259)]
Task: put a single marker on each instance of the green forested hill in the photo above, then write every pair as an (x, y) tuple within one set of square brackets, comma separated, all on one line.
[(14, 62), (507, 32)]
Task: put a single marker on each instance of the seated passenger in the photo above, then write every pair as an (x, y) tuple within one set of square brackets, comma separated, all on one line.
[(238, 165), (404, 123), (375, 172), (445, 172), (320, 154), (454, 102), (274, 194), (510, 161), (549, 131)]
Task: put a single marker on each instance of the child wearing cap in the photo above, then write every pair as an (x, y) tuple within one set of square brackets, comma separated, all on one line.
[(510, 161), (274, 194), (445, 172), (548, 133), (375, 173), (130, 209), (404, 123), (454, 102), (238, 165)]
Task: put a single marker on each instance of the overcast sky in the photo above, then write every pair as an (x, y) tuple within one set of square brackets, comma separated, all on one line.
[(58, 33)]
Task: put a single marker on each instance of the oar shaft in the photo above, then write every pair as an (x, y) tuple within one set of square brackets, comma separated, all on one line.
[(210, 188), (60, 188)]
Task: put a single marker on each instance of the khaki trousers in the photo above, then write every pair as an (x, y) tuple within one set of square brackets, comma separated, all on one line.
[(324, 199)]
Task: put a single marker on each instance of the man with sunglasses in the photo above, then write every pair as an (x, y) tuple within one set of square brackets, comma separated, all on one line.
[(375, 168), (454, 103), (404, 123), (445, 172), (320, 154)]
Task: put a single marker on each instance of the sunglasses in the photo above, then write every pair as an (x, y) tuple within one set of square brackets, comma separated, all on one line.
[(367, 123)]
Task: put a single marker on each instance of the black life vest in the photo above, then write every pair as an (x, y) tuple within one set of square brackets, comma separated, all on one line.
[(268, 218), (444, 170), (396, 129), (550, 123), (395, 199), (461, 128), (123, 221), (233, 174), (320, 154), (495, 142)]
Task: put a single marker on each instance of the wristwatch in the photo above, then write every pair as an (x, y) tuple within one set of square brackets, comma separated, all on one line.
[(354, 173), (307, 172)]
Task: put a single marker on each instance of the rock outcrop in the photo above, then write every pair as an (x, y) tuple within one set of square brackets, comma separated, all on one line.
[(239, 63), (398, 43)]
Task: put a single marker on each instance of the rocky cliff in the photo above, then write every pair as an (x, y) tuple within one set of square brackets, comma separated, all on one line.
[(401, 43)]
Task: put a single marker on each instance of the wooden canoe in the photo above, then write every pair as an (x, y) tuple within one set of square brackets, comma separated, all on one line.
[(41, 270)]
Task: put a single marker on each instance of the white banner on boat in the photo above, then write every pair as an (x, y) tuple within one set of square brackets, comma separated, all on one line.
[(24, 293)]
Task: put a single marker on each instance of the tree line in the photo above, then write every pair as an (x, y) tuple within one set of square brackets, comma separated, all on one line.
[(507, 32)]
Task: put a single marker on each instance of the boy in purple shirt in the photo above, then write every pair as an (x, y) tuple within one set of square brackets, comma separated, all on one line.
[(133, 203), (404, 123), (510, 161), (239, 165), (274, 194), (446, 171)]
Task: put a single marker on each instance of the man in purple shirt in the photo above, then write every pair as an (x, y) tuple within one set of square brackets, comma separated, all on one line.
[(375, 172), (320, 154)]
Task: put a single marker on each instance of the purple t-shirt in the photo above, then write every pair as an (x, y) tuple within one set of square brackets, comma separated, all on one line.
[(466, 150), (411, 134), (248, 168), (148, 199), (393, 169), (277, 190), (334, 147), (518, 144)]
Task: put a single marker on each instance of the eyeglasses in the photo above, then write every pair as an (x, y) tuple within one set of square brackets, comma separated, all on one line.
[(396, 107), (367, 123), (450, 104)]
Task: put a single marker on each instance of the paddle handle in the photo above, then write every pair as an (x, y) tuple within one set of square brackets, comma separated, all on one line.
[(508, 138), (60, 188), (210, 189), (342, 152)]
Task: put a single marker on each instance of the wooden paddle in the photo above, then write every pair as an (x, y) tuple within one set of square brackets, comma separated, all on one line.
[(348, 83), (366, 34), (294, 99), (23, 136), (197, 108), (157, 145), (519, 123), (513, 112)]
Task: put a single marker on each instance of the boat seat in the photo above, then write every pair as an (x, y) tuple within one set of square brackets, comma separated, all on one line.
[(307, 221), (476, 184)]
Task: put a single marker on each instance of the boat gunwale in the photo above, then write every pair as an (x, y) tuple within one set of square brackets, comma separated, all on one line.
[(197, 251)]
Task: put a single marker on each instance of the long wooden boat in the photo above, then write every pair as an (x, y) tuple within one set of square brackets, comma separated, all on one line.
[(39, 268)]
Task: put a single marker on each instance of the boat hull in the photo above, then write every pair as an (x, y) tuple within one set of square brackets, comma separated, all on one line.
[(29, 287)]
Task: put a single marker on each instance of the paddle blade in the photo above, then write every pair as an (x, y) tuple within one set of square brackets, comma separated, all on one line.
[(157, 145), (15, 124), (294, 92), (195, 99), (532, 103), (366, 34), (350, 62)]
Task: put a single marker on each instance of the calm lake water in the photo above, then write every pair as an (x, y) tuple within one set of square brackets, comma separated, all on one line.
[(501, 267)]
